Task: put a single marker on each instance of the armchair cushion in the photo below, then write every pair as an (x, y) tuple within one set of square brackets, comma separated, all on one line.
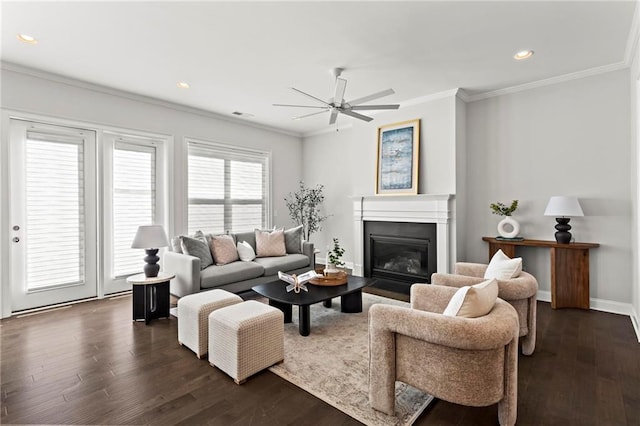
[(502, 267), (473, 301)]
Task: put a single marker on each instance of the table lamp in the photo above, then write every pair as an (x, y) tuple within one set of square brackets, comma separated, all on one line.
[(150, 238), (562, 207)]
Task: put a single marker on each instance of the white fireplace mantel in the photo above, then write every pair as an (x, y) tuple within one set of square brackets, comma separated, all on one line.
[(426, 208)]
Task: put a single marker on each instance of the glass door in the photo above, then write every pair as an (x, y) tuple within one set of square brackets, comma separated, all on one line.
[(53, 211)]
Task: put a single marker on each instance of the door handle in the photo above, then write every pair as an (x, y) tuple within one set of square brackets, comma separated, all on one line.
[(16, 239)]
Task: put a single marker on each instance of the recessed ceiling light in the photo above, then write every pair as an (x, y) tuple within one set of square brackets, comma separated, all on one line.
[(523, 54), (183, 85), (25, 38)]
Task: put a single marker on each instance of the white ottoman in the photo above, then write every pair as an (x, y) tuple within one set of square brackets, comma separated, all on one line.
[(246, 338), (193, 317)]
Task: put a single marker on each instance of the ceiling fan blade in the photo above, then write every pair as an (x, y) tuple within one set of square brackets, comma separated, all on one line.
[(311, 96), (372, 97), (364, 107), (355, 115), (341, 85), (309, 115), (334, 115), (299, 106)]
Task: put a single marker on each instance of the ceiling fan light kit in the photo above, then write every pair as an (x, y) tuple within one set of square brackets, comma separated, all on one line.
[(337, 104)]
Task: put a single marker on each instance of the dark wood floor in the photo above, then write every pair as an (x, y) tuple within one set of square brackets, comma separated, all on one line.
[(89, 364)]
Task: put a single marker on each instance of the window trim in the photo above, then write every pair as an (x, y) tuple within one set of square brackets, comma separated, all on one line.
[(110, 139)]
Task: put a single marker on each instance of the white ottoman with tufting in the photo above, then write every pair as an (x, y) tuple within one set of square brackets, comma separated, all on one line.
[(193, 317), (246, 338)]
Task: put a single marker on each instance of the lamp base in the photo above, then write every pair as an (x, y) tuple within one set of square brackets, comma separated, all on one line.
[(152, 268), (563, 236)]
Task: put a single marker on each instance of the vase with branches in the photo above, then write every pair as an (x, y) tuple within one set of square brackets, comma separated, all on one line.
[(508, 228), (304, 208)]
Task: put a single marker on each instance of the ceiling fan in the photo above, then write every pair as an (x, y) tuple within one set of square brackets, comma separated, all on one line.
[(337, 105)]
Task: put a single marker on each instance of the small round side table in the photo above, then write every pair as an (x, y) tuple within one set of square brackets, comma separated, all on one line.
[(150, 296)]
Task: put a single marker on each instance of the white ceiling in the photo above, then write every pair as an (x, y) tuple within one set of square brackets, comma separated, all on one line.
[(244, 56)]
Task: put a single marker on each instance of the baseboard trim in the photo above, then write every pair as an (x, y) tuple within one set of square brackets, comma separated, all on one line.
[(598, 305), (635, 323)]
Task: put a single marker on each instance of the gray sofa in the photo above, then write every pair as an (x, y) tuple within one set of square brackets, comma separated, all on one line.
[(235, 277)]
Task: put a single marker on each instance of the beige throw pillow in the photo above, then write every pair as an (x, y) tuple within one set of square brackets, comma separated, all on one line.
[(223, 249), (270, 243), (473, 301), (502, 267)]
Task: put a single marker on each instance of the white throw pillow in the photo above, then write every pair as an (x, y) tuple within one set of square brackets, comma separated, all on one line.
[(502, 267), (245, 251), (473, 301)]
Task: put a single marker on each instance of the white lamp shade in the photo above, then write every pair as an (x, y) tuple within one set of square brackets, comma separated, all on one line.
[(563, 206), (150, 236)]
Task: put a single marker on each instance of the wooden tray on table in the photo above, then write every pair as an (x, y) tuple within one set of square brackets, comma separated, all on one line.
[(339, 279)]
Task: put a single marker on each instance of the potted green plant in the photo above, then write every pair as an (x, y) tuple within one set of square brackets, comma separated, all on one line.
[(508, 227), (334, 257), (304, 208)]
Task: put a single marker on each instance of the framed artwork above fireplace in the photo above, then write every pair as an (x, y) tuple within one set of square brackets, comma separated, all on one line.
[(397, 160)]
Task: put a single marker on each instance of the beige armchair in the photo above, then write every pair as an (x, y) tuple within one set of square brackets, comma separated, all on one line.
[(520, 292), (468, 361)]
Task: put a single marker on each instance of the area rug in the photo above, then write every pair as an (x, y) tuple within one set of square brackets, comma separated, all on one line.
[(332, 363)]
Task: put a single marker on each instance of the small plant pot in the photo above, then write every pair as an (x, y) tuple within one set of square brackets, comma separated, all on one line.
[(330, 270)]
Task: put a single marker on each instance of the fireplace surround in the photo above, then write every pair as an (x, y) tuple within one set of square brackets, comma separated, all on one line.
[(435, 209)]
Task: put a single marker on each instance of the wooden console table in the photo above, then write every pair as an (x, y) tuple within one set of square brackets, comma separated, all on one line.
[(569, 268)]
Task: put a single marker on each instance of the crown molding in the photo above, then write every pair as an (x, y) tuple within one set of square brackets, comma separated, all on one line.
[(549, 81), (429, 98), (57, 78)]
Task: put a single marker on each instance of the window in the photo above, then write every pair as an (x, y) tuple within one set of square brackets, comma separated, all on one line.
[(228, 188), (134, 188), (55, 210), (134, 191)]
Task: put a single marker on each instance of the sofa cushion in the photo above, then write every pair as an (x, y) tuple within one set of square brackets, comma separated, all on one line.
[(249, 237), (293, 240), (473, 301), (282, 263), (502, 267), (270, 244), (223, 249), (245, 251), (215, 276), (198, 247)]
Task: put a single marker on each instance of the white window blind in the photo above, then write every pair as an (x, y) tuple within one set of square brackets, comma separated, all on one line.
[(55, 220), (228, 188), (134, 192)]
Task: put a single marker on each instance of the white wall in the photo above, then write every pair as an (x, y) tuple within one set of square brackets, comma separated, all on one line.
[(564, 139), (345, 162), (55, 97), (634, 106)]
